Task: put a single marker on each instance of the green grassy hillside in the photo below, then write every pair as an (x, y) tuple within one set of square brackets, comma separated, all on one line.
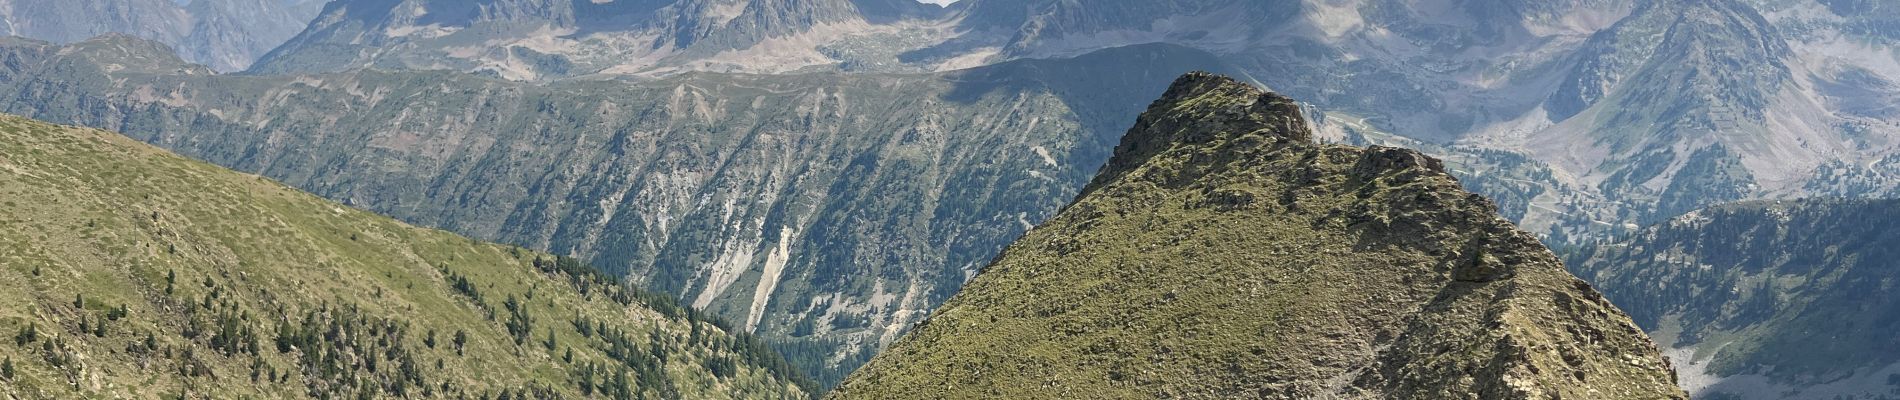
[(126, 271), (1224, 254)]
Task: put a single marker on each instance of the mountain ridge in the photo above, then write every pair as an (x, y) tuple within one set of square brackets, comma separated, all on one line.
[(1225, 254)]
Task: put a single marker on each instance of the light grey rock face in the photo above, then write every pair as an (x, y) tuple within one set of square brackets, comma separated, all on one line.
[(224, 34)]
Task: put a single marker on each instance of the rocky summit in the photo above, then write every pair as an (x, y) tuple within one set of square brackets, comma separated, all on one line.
[(1222, 253)]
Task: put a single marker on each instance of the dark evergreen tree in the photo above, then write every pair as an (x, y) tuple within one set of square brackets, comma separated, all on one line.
[(28, 334)]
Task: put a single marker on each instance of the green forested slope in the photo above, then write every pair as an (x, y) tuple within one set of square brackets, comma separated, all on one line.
[(1224, 254), (1782, 299), (826, 212), (126, 271)]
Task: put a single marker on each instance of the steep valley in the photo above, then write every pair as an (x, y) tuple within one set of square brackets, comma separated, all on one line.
[(1765, 300)]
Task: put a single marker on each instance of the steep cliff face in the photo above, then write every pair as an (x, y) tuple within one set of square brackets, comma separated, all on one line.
[(1223, 253), (1766, 300)]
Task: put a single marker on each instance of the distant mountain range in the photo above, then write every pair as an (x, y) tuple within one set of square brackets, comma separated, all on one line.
[(540, 40), (1641, 109), (226, 35)]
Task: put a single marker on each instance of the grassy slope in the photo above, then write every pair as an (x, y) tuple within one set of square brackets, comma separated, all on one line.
[(1222, 254), (883, 188), (86, 213)]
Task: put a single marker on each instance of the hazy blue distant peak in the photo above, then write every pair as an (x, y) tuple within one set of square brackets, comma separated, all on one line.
[(224, 34)]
